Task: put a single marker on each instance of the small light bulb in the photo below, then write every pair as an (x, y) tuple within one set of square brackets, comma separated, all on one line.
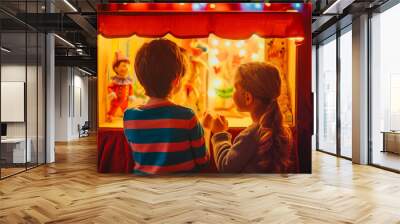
[(228, 43), (215, 42), (214, 51), (211, 93), (297, 5), (196, 6), (217, 83), (214, 61), (240, 43), (242, 52), (254, 57), (296, 38)]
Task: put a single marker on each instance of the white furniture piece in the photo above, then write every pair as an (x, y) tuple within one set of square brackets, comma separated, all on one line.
[(16, 148)]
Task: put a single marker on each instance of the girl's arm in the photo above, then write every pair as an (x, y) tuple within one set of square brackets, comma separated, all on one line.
[(233, 158)]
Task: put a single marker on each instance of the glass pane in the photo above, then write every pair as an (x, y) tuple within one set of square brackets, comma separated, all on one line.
[(32, 83), (314, 90), (13, 84), (386, 89), (327, 97), (22, 81), (32, 96), (41, 99), (346, 94)]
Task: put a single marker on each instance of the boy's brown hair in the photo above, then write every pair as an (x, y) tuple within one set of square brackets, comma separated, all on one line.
[(157, 64)]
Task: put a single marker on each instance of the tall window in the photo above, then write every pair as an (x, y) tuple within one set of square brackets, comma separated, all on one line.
[(327, 96), (385, 89), (346, 93)]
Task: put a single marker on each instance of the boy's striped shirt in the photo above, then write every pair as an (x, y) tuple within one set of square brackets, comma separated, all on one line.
[(165, 138)]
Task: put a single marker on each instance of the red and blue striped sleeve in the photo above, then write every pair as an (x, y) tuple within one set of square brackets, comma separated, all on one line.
[(197, 143)]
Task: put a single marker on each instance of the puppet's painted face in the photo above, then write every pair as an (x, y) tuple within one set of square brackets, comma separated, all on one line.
[(122, 69)]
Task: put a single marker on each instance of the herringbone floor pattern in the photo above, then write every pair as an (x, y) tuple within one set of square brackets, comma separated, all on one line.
[(71, 191)]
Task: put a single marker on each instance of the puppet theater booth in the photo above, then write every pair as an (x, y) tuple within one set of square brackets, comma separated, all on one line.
[(217, 38)]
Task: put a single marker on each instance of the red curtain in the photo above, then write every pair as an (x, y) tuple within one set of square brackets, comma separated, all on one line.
[(114, 154), (229, 25)]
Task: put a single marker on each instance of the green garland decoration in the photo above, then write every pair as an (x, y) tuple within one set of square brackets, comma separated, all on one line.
[(225, 93)]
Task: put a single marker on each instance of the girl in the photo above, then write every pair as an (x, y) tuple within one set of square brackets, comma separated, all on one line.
[(264, 146)]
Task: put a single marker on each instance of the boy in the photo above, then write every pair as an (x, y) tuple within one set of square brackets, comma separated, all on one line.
[(164, 137)]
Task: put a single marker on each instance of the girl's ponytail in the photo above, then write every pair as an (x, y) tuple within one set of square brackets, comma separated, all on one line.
[(275, 140)]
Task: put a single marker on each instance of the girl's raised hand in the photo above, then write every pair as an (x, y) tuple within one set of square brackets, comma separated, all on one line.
[(219, 124)]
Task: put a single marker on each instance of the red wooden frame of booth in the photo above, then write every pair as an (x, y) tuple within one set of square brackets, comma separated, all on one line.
[(226, 20)]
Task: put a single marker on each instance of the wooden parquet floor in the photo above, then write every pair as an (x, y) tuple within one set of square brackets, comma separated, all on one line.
[(71, 191)]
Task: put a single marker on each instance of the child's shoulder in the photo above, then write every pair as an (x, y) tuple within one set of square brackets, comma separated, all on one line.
[(180, 112), (131, 113), (182, 109), (170, 111)]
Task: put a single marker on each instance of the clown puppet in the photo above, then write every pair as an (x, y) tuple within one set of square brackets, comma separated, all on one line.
[(120, 90)]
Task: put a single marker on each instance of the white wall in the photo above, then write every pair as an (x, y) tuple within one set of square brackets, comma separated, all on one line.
[(80, 112), (61, 103), (71, 102)]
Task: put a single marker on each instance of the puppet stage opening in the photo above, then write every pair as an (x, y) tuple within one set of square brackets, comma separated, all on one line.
[(208, 82)]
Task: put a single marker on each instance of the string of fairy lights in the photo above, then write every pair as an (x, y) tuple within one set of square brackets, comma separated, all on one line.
[(248, 6), (223, 57)]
